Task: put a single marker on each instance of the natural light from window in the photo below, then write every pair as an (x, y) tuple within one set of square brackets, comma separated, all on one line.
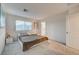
[(23, 25), (43, 28)]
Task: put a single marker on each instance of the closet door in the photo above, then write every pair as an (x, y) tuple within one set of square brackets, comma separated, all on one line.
[(73, 34)]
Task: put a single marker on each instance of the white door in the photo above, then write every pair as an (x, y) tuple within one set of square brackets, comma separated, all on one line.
[(73, 31)]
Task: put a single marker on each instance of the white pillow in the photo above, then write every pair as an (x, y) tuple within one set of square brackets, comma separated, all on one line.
[(24, 34)]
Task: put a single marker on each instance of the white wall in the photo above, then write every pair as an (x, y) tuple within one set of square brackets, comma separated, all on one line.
[(56, 27), (11, 23)]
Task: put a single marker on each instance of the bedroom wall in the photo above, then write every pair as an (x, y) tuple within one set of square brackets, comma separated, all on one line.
[(56, 27), (11, 23)]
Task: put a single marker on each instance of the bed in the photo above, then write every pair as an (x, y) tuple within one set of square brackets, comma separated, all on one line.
[(30, 40)]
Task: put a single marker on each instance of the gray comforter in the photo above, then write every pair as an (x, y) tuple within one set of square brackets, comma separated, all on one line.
[(29, 38)]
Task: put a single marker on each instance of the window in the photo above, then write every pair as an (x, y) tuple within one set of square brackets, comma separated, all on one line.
[(43, 28), (2, 17), (22, 25)]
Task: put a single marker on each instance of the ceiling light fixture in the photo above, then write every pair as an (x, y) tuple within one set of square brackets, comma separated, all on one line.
[(25, 10)]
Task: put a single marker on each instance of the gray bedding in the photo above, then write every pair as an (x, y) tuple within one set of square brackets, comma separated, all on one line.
[(29, 38)]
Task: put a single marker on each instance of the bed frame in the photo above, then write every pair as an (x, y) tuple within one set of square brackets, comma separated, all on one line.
[(28, 45)]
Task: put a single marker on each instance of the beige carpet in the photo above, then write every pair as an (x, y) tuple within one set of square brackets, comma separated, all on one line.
[(63, 49), (39, 49), (49, 47)]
